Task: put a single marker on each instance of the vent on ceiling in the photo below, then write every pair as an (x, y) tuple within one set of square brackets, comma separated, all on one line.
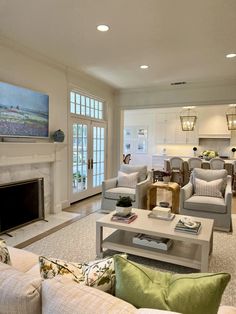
[(178, 83)]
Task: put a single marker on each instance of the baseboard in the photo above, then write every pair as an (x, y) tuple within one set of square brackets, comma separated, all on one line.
[(65, 204)]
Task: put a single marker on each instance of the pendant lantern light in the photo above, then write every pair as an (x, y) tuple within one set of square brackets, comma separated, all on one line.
[(188, 118), (231, 117)]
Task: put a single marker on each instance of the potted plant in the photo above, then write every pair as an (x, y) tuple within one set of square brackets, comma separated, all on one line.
[(124, 205)]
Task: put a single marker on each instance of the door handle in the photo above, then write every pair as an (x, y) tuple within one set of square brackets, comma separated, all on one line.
[(89, 164), (92, 163)]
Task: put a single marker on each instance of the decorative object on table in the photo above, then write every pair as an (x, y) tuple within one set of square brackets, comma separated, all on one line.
[(58, 136), (231, 117), (188, 118), (161, 211), (194, 150), (187, 224), (124, 206), (164, 204), (125, 219), (209, 154), (152, 241)]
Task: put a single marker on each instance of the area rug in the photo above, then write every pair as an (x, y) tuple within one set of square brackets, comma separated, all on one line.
[(77, 242)]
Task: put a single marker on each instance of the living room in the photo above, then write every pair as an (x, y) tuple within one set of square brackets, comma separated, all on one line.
[(49, 47)]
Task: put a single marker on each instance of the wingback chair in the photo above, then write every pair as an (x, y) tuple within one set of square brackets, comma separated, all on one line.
[(209, 195), (131, 181)]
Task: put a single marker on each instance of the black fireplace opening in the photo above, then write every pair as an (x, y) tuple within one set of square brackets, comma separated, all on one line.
[(21, 203)]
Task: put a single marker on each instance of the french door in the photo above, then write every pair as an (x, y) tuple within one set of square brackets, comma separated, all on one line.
[(88, 143)]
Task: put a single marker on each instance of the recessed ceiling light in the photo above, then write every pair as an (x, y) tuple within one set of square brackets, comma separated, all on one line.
[(231, 55), (102, 28), (232, 105), (189, 107), (144, 66)]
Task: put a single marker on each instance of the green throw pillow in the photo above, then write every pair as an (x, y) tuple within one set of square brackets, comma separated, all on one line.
[(192, 293)]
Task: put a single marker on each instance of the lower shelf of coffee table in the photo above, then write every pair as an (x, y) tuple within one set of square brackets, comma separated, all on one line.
[(180, 253)]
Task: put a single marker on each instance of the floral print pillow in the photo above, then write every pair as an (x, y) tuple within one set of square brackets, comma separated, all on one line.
[(4, 253), (51, 267), (99, 274)]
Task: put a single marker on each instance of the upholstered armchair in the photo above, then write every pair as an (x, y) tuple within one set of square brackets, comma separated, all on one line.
[(209, 195), (131, 181)]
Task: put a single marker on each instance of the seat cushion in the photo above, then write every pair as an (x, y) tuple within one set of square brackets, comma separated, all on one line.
[(206, 204), (142, 171), (22, 259), (63, 296), (19, 292), (116, 193)]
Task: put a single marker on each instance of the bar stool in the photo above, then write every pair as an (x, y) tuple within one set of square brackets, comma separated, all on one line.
[(176, 169), (217, 163), (194, 162)]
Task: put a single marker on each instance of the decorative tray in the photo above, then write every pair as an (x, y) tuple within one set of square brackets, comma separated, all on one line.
[(150, 215)]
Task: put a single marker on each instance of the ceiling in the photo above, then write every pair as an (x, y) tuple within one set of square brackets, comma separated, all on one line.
[(184, 40)]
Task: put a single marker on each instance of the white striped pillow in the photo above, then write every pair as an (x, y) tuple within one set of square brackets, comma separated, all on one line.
[(211, 188), (127, 180)]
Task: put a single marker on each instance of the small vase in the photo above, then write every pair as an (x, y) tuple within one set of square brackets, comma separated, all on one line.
[(166, 179), (58, 136)]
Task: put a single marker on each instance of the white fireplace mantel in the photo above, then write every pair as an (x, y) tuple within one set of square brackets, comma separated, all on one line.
[(19, 154)]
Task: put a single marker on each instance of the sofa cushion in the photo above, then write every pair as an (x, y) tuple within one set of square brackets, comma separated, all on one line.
[(211, 188), (19, 292), (99, 274), (206, 203), (127, 180), (22, 260), (116, 193), (63, 296), (142, 171), (4, 253), (191, 293)]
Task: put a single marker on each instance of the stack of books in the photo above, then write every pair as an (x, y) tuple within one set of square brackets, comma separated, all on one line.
[(152, 241), (193, 228), (126, 219)]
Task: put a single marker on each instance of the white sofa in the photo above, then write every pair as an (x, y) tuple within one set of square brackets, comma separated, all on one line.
[(22, 291)]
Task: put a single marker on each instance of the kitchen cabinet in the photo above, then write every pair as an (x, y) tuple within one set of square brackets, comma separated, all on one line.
[(165, 128)]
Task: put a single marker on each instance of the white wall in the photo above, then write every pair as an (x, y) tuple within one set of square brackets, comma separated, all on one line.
[(22, 67)]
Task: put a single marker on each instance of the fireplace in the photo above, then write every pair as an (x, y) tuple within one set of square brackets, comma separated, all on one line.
[(21, 203)]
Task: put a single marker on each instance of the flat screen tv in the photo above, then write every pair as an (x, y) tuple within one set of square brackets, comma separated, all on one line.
[(23, 112)]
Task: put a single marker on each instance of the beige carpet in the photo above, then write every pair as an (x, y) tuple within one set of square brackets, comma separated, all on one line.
[(76, 242)]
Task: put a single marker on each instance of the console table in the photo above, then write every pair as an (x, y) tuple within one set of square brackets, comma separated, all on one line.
[(173, 187)]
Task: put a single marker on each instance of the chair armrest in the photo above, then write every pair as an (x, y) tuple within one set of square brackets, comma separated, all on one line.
[(185, 193), (109, 184), (228, 194), (141, 191)]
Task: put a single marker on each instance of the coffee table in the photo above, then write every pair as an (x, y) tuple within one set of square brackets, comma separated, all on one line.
[(187, 249)]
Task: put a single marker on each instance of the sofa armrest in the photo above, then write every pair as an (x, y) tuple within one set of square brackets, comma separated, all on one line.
[(109, 184), (228, 194), (185, 193), (224, 309)]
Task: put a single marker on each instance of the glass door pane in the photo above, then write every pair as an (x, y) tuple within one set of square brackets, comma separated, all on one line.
[(98, 155), (80, 157)]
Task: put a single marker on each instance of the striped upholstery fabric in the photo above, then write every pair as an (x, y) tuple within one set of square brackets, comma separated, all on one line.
[(63, 296), (127, 180), (20, 293), (211, 188)]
